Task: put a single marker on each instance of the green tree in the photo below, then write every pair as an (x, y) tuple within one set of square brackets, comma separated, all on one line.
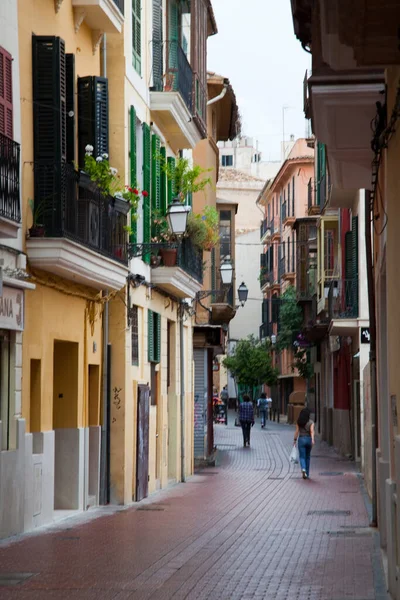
[(251, 363), (290, 325)]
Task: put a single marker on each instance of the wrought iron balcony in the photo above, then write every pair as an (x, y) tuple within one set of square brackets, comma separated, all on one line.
[(282, 268), (72, 206), (177, 76), (284, 211), (9, 179), (190, 259), (343, 299), (265, 330), (266, 277)]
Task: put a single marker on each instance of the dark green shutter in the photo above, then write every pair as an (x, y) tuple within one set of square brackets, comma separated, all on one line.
[(136, 36), (354, 260), (133, 168), (155, 177), (171, 179), (265, 312), (70, 107), (173, 41), (321, 170), (157, 337), (157, 46), (275, 309), (163, 183), (49, 125), (146, 187), (92, 116), (150, 335)]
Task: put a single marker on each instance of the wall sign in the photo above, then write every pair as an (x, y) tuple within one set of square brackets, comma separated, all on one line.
[(365, 335), (12, 309)]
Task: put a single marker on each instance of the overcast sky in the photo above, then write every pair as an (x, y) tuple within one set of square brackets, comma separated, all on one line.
[(257, 50)]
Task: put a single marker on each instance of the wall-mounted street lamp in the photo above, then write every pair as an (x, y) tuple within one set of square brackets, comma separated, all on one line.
[(177, 217), (226, 272), (243, 292)]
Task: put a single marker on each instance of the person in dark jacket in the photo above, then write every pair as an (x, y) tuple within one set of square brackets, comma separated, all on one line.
[(246, 418)]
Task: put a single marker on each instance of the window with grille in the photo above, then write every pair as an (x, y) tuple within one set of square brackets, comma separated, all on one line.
[(136, 36), (135, 334)]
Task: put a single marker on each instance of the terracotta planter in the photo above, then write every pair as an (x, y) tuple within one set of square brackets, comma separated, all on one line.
[(168, 256), (37, 231)]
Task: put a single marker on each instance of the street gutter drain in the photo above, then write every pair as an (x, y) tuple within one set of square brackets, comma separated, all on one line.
[(9, 579), (331, 473), (329, 513)]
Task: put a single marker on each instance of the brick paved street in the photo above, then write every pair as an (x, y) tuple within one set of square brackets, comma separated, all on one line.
[(248, 528)]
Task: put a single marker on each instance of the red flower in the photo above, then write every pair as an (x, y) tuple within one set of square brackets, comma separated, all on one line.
[(130, 190), (145, 194), (136, 192)]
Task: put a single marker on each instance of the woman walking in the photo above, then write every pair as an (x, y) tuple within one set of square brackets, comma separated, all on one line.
[(304, 436), (246, 418)]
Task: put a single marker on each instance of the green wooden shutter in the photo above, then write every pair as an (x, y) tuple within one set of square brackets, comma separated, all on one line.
[(92, 116), (157, 337), (321, 169), (171, 179), (163, 183), (133, 167), (155, 177), (173, 41), (354, 261), (70, 107), (136, 36), (157, 46), (146, 187), (150, 335), (49, 126)]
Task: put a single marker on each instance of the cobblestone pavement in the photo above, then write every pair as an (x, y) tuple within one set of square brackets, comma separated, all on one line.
[(248, 528)]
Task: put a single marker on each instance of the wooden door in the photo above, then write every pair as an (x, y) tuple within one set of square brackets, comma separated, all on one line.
[(142, 449)]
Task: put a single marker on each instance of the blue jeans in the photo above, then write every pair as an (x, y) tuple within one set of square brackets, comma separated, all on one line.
[(263, 415), (305, 446)]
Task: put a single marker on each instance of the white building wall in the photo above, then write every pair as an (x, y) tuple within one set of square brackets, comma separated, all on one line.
[(248, 318)]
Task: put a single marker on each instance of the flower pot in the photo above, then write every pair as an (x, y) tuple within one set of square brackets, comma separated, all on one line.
[(155, 261), (169, 256), (37, 231)]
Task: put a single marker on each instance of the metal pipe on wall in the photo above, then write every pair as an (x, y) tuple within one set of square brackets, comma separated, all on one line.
[(104, 466), (182, 396), (372, 353)]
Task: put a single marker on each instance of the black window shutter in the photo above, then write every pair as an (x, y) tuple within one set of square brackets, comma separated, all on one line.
[(157, 46), (49, 126), (92, 116), (275, 308), (71, 109)]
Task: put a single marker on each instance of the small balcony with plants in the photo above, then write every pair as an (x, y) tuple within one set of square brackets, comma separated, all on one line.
[(265, 230), (79, 222), (100, 15), (10, 208)]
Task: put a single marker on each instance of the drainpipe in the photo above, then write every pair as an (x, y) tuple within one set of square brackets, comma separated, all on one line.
[(219, 97), (104, 454), (372, 352), (182, 361), (104, 466)]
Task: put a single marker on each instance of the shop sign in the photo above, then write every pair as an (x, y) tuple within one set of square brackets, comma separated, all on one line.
[(12, 309)]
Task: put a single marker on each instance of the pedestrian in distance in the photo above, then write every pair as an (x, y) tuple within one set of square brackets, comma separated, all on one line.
[(304, 436), (224, 395), (262, 404), (246, 418)]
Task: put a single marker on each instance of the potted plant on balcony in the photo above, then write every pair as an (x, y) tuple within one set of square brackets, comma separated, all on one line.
[(163, 235), (188, 179), (106, 178), (203, 228), (37, 229)]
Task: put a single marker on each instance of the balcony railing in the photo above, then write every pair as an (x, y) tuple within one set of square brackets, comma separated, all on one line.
[(190, 259), (72, 206), (282, 268), (120, 5), (178, 75), (343, 299), (265, 278), (9, 179), (200, 103), (322, 191)]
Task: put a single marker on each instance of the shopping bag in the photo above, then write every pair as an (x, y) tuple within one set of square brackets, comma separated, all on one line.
[(294, 455)]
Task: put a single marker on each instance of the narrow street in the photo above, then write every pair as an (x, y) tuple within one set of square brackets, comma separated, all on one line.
[(248, 528)]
